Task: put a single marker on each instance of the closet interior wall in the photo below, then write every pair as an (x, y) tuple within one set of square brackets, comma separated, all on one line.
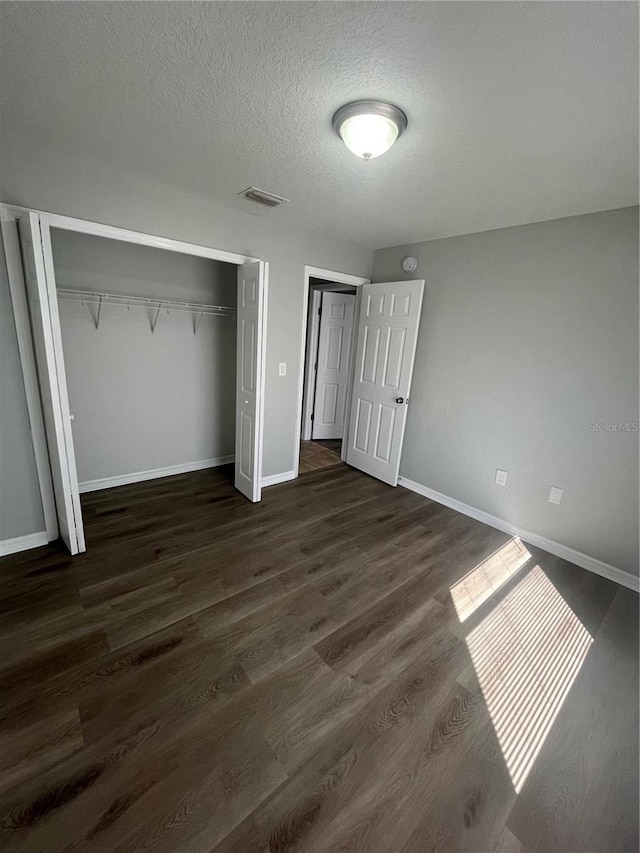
[(143, 400)]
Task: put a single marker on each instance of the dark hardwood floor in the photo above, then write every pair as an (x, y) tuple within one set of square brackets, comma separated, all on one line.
[(343, 667)]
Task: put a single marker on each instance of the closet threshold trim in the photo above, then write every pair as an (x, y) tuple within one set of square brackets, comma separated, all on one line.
[(155, 303)]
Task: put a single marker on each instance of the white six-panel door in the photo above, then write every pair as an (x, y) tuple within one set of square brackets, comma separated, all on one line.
[(45, 324), (333, 363), (385, 350), (250, 378)]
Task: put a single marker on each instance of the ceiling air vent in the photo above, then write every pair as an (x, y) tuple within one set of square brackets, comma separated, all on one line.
[(262, 197)]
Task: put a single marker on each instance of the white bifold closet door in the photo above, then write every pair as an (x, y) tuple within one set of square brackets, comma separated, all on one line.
[(333, 364), (35, 241), (250, 378), (385, 351)]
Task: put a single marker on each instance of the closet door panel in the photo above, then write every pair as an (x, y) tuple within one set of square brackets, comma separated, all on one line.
[(333, 364), (47, 340), (250, 378)]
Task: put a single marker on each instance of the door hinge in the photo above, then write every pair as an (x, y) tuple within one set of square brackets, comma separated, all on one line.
[(320, 311), (312, 416)]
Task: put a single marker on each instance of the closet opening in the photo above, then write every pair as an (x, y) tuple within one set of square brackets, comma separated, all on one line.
[(149, 358), (149, 342), (331, 310)]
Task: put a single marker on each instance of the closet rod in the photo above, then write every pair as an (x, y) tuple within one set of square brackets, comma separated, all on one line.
[(156, 303), (96, 298)]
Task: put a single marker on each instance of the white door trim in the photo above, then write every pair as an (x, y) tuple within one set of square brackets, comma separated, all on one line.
[(338, 278), (308, 388), (56, 328), (97, 229)]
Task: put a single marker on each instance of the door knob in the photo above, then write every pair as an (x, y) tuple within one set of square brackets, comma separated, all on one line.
[(399, 399)]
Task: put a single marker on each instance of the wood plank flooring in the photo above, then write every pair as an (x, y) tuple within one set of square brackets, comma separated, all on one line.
[(343, 667)]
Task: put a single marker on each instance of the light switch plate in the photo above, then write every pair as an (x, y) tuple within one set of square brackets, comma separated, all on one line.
[(501, 477), (555, 495), (282, 368)]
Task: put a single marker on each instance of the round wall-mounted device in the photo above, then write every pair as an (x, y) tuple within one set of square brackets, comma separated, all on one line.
[(410, 264)]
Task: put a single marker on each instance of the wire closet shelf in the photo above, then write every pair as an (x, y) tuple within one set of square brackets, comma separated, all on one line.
[(155, 304)]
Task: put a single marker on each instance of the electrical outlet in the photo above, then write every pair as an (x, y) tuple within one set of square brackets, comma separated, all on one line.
[(282, 368), (555, 495), (501, 477)]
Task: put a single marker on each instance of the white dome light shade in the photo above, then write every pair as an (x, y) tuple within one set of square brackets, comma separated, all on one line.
[(369, 128), (368, 136)]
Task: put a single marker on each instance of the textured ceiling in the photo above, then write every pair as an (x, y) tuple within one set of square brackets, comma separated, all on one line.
[(518, 112)]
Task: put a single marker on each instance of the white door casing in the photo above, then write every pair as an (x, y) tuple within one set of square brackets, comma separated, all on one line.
[(387, 334), (45, 324), (252, 280), (333, 363)]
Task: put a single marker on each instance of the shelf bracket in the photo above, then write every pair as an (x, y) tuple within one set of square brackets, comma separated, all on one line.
[(154, 321), (196, 321), (94, 319), (97, 320)]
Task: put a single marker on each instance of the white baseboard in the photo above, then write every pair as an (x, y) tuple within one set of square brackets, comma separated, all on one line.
[(612, 573), (22, 543), (274, 479), (153, 474)]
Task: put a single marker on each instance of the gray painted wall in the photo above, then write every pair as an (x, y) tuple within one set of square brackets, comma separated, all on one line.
[(528, 336), (40, 174), (143, 401), (20, 502)]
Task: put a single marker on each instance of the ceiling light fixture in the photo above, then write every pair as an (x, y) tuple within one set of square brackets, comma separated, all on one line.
[(369, 128)]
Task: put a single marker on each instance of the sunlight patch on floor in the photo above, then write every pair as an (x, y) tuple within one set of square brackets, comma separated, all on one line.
[(527, 653), (480, 584)]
